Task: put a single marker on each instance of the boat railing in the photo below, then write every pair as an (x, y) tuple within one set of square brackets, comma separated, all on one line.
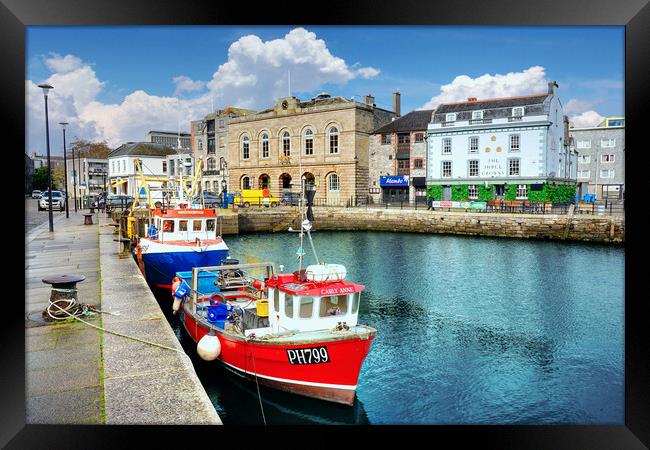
[(269, 267)]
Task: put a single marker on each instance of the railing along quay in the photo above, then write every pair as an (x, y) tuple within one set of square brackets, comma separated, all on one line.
[(494, 206)]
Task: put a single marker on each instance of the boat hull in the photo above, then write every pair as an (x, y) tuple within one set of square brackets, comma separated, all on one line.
[(160, 263), (269, 363)]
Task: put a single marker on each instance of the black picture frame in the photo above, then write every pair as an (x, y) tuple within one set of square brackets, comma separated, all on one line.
[(15, 15)]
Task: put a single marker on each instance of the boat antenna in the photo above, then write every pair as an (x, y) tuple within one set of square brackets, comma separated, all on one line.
[(305, 224), (181, 198)]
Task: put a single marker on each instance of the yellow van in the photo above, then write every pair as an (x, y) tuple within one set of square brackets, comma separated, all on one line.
[(248, 197)]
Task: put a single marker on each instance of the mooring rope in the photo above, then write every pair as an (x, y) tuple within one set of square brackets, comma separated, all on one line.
[(76, 306), (259, 395), (73, 307)]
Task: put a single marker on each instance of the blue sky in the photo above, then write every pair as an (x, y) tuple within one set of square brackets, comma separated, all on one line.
[(587, 62)]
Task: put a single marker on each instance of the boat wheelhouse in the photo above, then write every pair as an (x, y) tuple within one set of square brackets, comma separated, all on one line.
[(178, 240), (296, 332)]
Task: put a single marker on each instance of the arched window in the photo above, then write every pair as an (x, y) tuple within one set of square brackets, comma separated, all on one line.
[(264, 181), (245, 183), (333, 182), (212, 164), (245, 148), (286, 144), (285, 181), (334, 140), (309, 142), (265, 145)]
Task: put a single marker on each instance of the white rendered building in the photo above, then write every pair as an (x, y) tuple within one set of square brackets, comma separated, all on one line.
[(491, 145)]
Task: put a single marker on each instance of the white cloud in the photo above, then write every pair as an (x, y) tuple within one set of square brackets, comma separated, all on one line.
[(257, 73), (530, 81), (575, 106), (186, 84), (64, 64), (254, 76), (367, 72), (586, 119)]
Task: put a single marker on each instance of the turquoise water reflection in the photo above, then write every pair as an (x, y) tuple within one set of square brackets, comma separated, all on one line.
[(470, 331)]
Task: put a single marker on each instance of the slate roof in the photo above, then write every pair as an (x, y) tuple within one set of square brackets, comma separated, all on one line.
[(142, 149), (413, 121), (323, 101), (492, 103)]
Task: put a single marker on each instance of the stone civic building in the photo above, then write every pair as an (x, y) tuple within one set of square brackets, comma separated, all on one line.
[(209, 141), (325, 140), (601, 159), (398, 153)]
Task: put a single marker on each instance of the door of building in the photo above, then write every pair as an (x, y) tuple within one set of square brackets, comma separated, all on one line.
[(498, 191), (446, 193), (396, 194)]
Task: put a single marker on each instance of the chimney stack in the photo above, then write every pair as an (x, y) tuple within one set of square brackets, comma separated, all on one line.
[(471, 99), (396, 102), (552, 87), (369, 100)]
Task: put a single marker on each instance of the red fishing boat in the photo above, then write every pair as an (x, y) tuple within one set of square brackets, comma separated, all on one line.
[(296, 332)]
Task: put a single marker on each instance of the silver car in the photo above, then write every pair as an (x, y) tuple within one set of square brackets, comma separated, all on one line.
[(58, 201)]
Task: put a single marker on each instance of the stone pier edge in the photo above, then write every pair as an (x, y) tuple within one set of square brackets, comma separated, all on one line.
[(128, 395), (101, 327), (556, 227)]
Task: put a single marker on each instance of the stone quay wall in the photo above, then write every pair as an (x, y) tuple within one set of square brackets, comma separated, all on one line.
[(609, 229)]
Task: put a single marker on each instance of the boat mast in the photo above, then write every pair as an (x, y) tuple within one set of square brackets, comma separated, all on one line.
[(180, 164), (301, 250)]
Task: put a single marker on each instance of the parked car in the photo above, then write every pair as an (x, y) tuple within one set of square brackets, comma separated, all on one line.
[(290, 198), (248, 197), (58, 201), (119, 201), (37, 194), (210, 200)]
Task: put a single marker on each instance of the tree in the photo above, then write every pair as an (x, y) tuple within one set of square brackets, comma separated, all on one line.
[(88, 149), (58, 177), (39, 179)]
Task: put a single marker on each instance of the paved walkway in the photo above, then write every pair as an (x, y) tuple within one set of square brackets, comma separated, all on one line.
[(77, 374), (63, 360)]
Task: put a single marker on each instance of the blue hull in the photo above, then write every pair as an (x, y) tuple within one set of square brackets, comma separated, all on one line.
[(160, 268)]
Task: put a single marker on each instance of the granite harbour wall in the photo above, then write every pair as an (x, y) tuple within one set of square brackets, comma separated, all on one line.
[(580, 227)]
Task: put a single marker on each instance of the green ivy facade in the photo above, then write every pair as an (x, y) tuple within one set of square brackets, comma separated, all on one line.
[(555, 193)]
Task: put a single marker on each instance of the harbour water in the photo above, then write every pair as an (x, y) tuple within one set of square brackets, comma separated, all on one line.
[(470, 331)]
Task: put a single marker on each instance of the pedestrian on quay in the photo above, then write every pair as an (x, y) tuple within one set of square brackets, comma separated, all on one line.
[(430, 208)]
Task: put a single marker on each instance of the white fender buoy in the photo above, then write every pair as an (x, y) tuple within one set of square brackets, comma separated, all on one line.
[(177, 304), (209, 347)]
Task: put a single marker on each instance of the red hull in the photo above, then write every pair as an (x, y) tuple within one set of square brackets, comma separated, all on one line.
[(334, 380)]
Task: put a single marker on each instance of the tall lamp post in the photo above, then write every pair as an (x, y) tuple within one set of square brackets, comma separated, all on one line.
[(46, 88), (74, 181), (224, 185), (65, 171)]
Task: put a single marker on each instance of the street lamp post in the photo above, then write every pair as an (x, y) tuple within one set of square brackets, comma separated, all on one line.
[(74, 181), (46, 88), (65, 171), (224, 190), (79, 173)]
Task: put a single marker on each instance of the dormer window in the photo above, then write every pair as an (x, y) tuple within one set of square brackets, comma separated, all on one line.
[(477, 115), (518, 112), (451, 117)]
